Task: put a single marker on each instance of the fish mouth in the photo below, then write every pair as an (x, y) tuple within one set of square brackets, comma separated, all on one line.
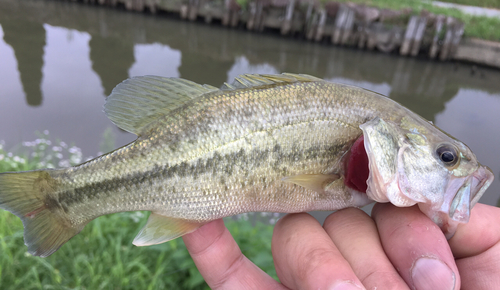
[(463, 193)]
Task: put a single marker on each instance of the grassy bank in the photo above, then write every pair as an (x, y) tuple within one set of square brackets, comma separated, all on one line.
[(479, 3), (475, 26), (102, 255)]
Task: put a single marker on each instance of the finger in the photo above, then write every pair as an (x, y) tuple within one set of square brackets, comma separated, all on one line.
[(356, 236), (477, 247), (221, 262), (416, 247), (481, 272), (306, 258), (479, 234)]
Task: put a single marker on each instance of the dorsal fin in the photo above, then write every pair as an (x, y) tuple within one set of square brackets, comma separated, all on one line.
[(254, 80), (138, 101)]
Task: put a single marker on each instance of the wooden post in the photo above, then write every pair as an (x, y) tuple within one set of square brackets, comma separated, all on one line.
[(362, 35), (128, 4), (419, 33), (227, 12), (409, 35), (151, 4), (287, 22), (311, 24), (235, 18), (372, 34), (457, 36), (260, 16), (184, 10), (321, 25), (193, 10), (253, 12), (347, 27), (339, 23), (435, 41), (445, 49)]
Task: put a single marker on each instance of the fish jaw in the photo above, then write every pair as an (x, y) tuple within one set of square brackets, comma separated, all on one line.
[(461, 195)]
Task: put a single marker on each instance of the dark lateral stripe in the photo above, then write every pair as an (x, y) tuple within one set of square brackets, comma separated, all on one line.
[(218, 165)]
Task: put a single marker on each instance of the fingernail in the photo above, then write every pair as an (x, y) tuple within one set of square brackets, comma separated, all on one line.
[(428, 273), (344, 286)]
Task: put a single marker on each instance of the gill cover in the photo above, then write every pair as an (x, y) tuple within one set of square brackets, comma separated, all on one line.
[(387, 148)]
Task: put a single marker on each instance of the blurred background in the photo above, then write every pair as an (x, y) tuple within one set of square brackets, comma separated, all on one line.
[(59, 60)]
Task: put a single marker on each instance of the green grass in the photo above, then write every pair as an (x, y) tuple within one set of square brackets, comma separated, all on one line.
[(102, 255), (479, 3), (475, 26)]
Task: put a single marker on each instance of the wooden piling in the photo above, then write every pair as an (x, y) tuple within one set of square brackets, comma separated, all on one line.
[(321, 25), (419, 33), (438, 27), (340, 19), (347, 27), (409, 35), (445, 49), (343, 24), (193, 9), (287, 22), (227, 13)]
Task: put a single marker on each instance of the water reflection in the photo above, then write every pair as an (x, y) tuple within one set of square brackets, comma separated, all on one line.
[(64, 61), (27, 39), (111, 60)]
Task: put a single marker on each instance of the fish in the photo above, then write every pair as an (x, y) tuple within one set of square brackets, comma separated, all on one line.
[(271, 143)]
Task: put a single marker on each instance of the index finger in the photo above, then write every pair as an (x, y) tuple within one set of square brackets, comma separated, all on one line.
[(416, 247), (479, 234), (476, 245), (220, 261)]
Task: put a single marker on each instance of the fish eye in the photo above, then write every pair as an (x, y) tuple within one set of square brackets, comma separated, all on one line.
[(447, 154)]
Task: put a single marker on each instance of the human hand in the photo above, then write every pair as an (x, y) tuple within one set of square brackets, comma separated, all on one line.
[(398, 248)]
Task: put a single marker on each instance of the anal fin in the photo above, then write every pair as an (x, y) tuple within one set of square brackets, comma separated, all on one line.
[(160, 229)]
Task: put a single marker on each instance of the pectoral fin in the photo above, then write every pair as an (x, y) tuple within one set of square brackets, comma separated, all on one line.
[(160, 229), (316, 182)]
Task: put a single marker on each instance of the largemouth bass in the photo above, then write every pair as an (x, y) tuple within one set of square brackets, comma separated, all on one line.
[(277, 143)]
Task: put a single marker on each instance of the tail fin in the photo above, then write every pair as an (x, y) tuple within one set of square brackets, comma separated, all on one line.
[(30, 196)]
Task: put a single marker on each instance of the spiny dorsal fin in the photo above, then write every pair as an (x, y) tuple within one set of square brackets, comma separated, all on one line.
[(254, 80), (138, 101)]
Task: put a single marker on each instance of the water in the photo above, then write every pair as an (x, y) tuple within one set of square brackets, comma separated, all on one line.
[(58, 61)]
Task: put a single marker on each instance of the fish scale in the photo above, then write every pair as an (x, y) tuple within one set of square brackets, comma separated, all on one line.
[(278, 143)]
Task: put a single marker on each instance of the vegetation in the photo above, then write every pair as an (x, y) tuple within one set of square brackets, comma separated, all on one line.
[(102, 255), (479, 3), (475, 26)]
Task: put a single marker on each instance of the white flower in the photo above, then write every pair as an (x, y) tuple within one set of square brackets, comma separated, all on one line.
[(74, 150), (64, 163)]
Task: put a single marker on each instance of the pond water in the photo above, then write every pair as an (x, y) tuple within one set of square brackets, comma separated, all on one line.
[(58, 61)]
